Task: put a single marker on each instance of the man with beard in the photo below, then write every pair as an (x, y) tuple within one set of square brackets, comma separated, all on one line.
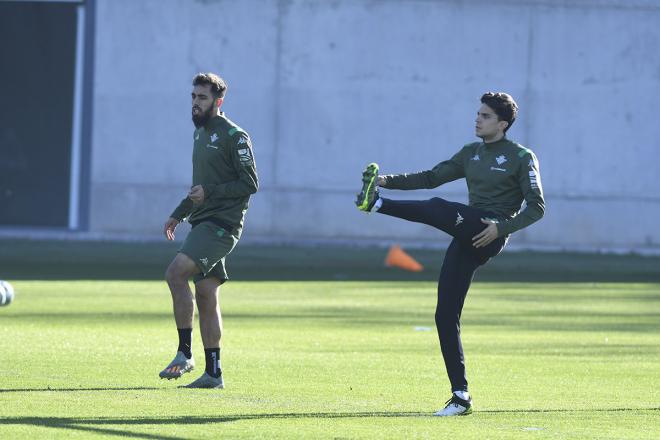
[(500, 175), (224, 176)]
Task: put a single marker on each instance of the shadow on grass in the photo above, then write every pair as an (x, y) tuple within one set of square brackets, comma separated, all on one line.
[(572, 410), (83, 424), (368, 316), (49, 389)]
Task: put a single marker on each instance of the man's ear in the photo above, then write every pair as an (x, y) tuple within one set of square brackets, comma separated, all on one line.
[(503, 125), (218, 102)]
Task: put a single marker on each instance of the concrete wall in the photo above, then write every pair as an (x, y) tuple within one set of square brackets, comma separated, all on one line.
[(325, 87)]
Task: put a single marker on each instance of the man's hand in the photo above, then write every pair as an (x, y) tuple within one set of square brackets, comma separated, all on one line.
[(380, 181), (196, 194), (484, 237), (170, 226)]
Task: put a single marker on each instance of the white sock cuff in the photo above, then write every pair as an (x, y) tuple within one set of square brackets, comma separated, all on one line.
[(462, 395), (378, 204)]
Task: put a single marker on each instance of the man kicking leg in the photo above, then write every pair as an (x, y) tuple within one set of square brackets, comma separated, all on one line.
[(500, 175)]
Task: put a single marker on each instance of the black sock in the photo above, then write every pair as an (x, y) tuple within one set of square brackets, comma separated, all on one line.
[(185, 341), (213, 362)]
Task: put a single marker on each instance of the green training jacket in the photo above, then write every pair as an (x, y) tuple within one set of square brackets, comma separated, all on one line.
[(499, 176), (223, 163)]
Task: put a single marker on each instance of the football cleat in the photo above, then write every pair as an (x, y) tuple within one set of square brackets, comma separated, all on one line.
[(178, 367), (369, 195), (455, 407), (206, 381)]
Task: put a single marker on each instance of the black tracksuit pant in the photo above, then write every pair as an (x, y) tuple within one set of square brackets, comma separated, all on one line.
[(461, 261)]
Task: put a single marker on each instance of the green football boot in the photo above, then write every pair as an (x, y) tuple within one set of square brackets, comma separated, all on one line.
[(369, 194)]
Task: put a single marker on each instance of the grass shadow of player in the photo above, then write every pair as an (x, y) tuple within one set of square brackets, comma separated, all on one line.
[(102, 425), (49, 389)]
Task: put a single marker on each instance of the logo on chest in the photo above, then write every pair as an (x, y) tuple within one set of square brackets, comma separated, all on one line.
[(214, 138), (500, 160)]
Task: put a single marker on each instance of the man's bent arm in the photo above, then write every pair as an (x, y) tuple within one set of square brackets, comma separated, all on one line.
[(183, 210), (529, 179)]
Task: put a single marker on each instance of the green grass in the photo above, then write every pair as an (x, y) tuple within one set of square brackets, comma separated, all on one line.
[(333, 359)]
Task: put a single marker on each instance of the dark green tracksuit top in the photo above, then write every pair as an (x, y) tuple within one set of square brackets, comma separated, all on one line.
[(499, 176), (223, 163)]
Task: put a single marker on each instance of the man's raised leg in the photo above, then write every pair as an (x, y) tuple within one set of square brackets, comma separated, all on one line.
[(180, 270), (456, 219)]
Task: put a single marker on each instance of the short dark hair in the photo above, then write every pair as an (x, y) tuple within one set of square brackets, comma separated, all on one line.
[(218, 85), (503, 105)]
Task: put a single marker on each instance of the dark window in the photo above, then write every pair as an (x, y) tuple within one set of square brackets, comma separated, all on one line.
[(37, 64)]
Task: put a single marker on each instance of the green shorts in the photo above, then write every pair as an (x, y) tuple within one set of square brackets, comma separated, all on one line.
[(207, 244)]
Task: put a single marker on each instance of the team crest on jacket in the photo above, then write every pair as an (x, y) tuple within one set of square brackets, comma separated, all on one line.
[(500, 159), (214, 137), (245, 156), (244, 140)]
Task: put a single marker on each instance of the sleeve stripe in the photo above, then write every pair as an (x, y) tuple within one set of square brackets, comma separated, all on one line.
[(235, 130)]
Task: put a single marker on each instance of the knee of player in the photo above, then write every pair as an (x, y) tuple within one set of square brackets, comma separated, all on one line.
[(180, 269), (175, 274)]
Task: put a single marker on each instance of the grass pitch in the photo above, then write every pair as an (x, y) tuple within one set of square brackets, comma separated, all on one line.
[(333, 359)]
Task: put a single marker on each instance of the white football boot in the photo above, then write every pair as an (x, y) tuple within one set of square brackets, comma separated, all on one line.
[(206, 381), (456, 406)]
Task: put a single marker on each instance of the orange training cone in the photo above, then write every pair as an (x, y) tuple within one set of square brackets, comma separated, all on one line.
[(396, 257)]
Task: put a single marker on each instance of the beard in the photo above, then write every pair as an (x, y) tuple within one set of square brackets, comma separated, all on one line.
[(200, 119)]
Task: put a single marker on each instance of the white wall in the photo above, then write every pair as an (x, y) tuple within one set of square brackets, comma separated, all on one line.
[(325, 87)]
